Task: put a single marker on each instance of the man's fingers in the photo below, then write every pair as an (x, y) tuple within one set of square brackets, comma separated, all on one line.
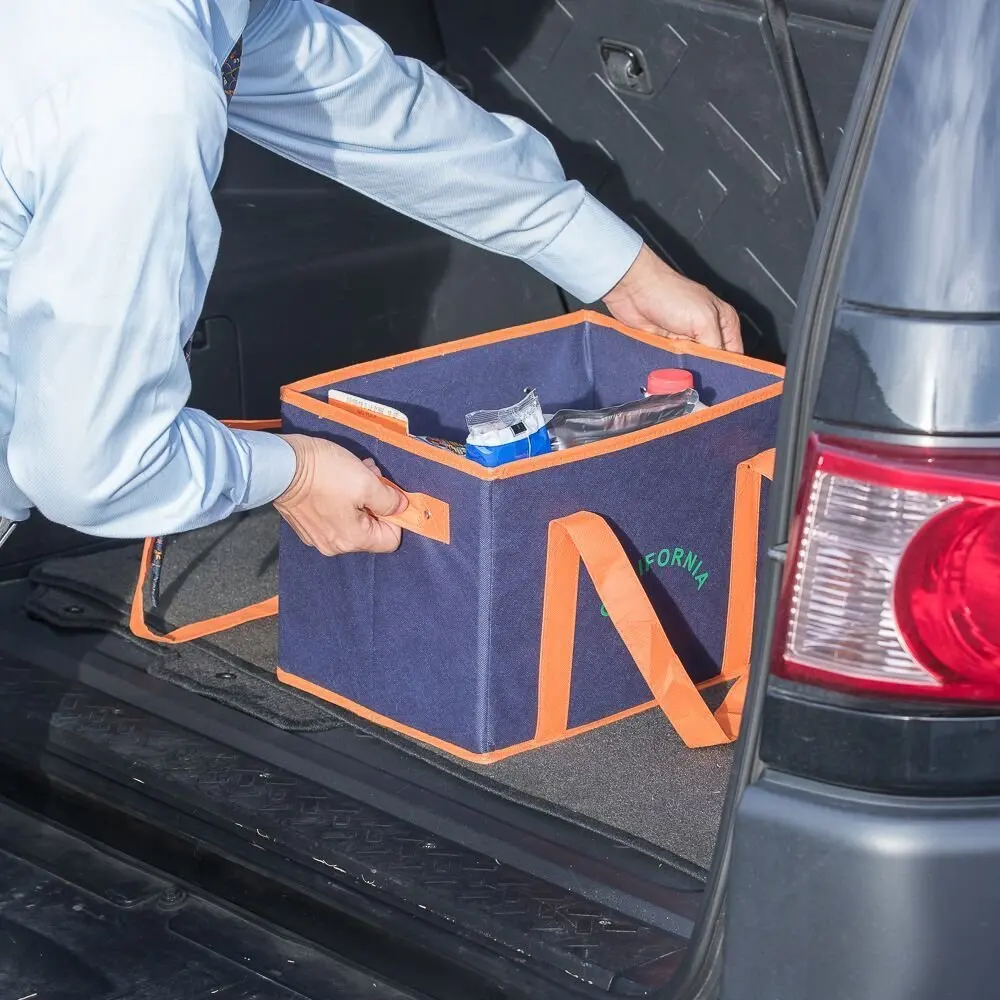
[(380, 536), (335, 502), (382, 499), (729, 320), (708, 328)]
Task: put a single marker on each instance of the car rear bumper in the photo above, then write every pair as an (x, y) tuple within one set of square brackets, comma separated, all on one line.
[(843, 895)]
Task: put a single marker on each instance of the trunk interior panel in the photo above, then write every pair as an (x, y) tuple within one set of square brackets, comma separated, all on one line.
[(588, 858), (706, 164)]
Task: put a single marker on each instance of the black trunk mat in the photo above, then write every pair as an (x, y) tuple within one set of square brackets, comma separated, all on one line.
[(633, 779)]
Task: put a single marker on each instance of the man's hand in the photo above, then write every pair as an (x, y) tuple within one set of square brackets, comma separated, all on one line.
[(335, 500), (655, 298)]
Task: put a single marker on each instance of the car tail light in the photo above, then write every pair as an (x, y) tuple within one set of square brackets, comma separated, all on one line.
[(893, 574)]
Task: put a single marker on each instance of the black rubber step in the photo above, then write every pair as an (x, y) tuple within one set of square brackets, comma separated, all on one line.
[(77, 924), (328, 831)]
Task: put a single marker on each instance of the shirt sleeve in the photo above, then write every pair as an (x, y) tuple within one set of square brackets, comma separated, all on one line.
[(105, 288), (324, 91)]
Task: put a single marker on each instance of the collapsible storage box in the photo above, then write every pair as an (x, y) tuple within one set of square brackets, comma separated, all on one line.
[(444, 639)]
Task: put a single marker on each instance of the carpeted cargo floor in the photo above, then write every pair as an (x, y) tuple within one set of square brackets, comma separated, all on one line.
[(634, 777)]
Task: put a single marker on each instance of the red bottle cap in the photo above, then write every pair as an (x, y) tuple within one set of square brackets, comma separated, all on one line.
[(665, 381)]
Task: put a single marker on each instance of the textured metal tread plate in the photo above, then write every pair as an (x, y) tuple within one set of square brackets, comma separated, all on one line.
[(79, 925), (324, 829)]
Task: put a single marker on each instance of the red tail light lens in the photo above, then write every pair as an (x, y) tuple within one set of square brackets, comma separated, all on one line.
[(893, 574), (946, 596)]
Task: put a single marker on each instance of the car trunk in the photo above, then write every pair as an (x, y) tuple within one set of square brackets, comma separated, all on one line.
[(710, 127)]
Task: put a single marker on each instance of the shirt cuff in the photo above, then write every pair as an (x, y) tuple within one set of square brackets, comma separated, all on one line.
[(272, 466), (591, 254)]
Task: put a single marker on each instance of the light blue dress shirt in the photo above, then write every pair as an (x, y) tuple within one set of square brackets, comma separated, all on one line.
[(112, 124)]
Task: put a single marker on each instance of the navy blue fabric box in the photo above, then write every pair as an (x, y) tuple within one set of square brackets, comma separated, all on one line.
[(442, 639)]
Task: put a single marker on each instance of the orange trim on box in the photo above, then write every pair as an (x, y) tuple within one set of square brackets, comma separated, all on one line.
[(452, 748), (670, 345), (742, 585), (196, 630)]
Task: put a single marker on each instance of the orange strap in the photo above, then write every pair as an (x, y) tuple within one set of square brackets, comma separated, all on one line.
[(196, 630), (424, 515), (137, 615), (588, 538)]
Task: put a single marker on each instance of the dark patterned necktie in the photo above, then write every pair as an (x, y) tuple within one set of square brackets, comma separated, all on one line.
[(230, 78), (231, 70)]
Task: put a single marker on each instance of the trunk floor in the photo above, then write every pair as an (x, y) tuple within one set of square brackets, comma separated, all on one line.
[(633, 780)]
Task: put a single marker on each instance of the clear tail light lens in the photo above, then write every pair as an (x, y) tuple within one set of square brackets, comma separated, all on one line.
[(893, 574)]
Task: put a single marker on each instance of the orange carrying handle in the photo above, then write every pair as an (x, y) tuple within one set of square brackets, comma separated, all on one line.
[(587, 538)]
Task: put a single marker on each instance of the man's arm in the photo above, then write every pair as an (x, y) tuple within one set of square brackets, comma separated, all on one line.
[(324, 91), (107, 283)]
